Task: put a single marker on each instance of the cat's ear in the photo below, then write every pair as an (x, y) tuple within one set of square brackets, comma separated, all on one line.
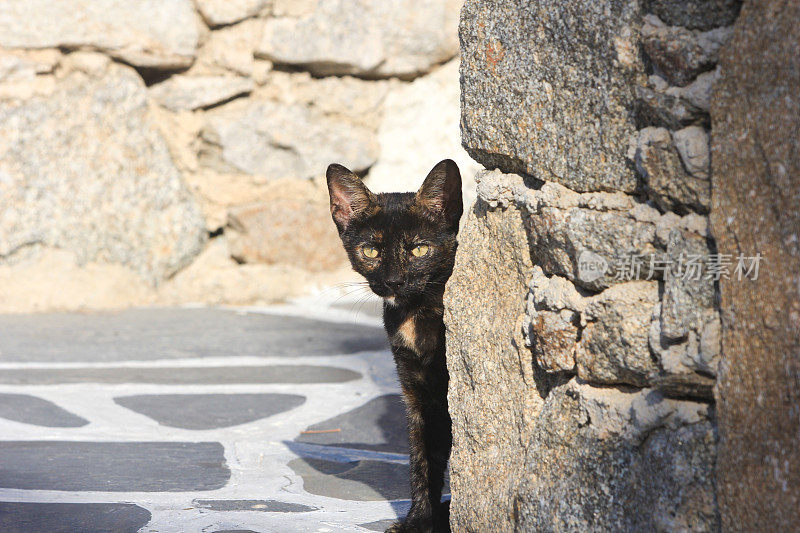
[(441, 191), (349, 196)]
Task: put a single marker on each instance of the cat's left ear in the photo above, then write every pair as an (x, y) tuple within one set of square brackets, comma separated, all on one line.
[(441, 191), (350, 198)]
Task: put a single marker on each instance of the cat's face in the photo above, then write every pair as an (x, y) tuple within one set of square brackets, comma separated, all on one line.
[(404, 244)]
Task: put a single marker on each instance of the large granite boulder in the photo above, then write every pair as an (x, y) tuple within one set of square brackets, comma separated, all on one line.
[(544, 95), (756, 192), (147, 33), (83, 170), (372, 38)]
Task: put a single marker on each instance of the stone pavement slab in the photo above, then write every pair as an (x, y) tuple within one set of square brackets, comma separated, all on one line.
[(179, 420), (211, 375), (113, 466), (33, 410), (209, 411), (26, 517), (148, 334)]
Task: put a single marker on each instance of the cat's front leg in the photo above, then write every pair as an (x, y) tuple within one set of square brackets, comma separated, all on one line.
[(429, 443)]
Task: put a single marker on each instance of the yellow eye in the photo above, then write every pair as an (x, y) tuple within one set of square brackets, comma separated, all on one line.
[(420, 250), (369, 252)]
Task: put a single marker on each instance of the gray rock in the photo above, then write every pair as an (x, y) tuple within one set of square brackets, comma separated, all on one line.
[(83, 170), (219, 12), (688, 291), (695, 14), (148, 33), (681, 54), (666, 179), (361, 481), (687, 365), (532, 80), (192, 92), (282, 141), (692, 145), (558, 238), (598, 459), (698, 93), (374, 38), (614, 346)]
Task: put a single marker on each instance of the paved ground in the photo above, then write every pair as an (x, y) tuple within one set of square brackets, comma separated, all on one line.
[(181, 420)]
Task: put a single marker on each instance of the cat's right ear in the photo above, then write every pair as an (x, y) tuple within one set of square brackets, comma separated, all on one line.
[(349, 196)]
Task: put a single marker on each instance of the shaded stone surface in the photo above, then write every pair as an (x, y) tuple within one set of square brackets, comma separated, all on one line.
[(378, 525), (534, 78), (266, 506), (33, 410), (147, 334), (364, 480), (181, 375), (681, 54), (113, 466), (379, 424), (756, 193), (666, 179), (695, 14), (25, 517), (193, 92), (209, 411)]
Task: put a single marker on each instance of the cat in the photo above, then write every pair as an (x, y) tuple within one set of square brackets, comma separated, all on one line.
[(404, 244)]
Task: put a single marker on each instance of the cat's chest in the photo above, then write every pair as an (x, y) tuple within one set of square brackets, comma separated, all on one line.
[(419, 332)]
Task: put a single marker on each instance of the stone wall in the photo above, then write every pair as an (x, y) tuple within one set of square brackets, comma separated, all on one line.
[(585, 334), (170, 151)]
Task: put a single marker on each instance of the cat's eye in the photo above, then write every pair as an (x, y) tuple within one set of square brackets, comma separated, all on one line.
[(369, 252), (420, 250)]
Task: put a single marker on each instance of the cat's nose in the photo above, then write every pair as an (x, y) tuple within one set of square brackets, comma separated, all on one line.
[(394, 284)]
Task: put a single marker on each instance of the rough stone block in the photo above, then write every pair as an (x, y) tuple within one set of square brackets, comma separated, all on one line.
[(534, 80)]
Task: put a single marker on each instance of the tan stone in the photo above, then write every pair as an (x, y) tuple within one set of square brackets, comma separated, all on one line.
[(291, 227), (54, 280), (755, 113)]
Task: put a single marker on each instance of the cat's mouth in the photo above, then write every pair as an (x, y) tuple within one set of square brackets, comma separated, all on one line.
[(391, 300)]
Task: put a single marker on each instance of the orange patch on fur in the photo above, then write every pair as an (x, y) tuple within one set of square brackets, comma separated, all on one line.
[(407, 332)]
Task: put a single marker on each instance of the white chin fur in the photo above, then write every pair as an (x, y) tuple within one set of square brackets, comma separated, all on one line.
[(390, 300)]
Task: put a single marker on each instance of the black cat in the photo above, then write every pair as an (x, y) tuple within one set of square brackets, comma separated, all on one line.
[(404, 244)]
